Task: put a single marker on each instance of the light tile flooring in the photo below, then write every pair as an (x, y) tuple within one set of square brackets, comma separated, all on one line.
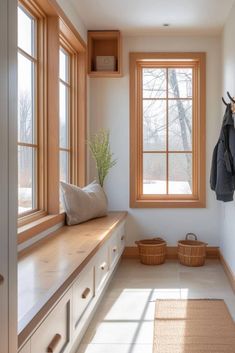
[(123, 322)]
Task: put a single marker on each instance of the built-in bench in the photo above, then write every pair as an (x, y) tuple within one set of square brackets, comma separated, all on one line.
[(61, 279)]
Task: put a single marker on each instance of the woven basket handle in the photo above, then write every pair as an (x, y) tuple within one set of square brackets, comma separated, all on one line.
[(137, 241), (188, 234)]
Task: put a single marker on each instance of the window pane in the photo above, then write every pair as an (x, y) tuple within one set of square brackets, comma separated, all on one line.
[(64, 166), (180, 125), (180, 173), (64, 66), (64, 118), (180, 83), (26, 30), (154, 173), (27, 171), (154, 83), (25, 100), (154, 125)]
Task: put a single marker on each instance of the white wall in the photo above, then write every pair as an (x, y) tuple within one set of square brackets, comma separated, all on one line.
[(228, 210), (72, 14), (109, 108)]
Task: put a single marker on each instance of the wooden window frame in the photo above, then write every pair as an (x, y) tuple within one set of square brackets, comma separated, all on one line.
[(41, 118), (77, 130), (56, 28), (197, 199)]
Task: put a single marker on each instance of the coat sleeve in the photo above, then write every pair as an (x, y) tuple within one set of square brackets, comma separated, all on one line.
[(213, 175)]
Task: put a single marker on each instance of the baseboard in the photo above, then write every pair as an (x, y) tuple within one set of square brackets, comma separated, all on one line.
[(212, 252), (228, 271), (131, 252)]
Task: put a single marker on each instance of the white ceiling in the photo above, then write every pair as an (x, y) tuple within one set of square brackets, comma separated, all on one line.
[(135, 17)]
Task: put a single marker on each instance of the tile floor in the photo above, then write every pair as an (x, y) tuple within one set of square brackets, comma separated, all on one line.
[(123, 322)]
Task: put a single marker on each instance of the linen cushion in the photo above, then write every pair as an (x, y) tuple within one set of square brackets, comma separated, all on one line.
[(82, 204)]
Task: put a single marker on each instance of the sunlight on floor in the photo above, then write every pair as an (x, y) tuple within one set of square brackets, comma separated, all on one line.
[(124, 321)]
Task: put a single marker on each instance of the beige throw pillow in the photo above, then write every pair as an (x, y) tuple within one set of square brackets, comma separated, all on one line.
[(82, 204)]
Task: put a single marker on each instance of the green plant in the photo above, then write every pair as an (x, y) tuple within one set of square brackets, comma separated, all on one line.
[(100, 148)]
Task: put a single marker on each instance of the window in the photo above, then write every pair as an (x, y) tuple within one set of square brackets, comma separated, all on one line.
[(65, 115), (51, 113), (167, 130), (27, 113)]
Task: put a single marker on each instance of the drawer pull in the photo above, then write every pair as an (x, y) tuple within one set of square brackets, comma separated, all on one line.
[(52, 346), (123, 237), (103, 266), (114, 249), (85, 293)]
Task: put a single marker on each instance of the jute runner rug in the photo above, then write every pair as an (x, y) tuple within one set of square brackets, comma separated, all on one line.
[(193, 326)]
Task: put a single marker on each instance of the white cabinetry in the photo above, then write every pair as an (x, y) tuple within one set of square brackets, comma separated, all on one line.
[(54, 334), (83, 292), (62, 329), (101, 267)]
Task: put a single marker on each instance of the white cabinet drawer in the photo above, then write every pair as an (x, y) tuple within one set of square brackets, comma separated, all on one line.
[(101, 267), (54, 334), (122, 237), (26, 348), (83, 292), (114, 248)]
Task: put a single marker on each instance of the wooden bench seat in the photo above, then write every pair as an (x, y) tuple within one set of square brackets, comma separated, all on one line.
[(50, 266)]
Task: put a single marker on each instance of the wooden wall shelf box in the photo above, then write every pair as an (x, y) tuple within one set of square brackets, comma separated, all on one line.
[(104, 43)]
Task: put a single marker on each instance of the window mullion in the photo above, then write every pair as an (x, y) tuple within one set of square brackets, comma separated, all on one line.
[(26, 55)]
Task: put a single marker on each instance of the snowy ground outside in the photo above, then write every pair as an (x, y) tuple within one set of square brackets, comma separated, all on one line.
[(25, 199), (158, 187)]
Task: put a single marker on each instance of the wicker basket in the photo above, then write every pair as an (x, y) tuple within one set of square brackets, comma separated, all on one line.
[(152, 251), (191, 252)]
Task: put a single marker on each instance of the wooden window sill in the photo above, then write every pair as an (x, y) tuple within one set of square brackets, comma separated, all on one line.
[(34, 228), (148, 203)]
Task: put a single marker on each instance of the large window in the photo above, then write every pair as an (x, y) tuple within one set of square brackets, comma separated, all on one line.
[(51, 113), (27, 112), (167, 127), (65, 114)]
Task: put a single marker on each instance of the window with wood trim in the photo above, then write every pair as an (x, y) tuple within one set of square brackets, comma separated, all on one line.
[(52, 110), (167, 130), (31, 180)]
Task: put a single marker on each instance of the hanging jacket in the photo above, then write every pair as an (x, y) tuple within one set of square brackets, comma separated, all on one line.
[(222, 178)]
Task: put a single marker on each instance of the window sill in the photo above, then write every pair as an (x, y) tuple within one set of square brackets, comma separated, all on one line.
[(197, 203), (32, 229)]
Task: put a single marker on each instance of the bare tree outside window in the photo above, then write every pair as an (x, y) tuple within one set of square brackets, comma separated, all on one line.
[(167, 130), (27, 125)]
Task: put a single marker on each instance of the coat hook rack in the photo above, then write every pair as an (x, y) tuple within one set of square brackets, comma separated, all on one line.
[(230, 97), (223, 100)]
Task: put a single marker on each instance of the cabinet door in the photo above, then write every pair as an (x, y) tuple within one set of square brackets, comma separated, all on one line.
[(114, 248), (83, 292), (101, 267), (122, 237), (54, 334), (8, 176)]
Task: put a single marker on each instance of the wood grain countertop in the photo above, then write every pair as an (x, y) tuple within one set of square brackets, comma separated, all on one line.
[(48, 268)]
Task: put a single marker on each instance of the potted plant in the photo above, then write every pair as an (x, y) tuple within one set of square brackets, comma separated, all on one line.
[(99, 145)]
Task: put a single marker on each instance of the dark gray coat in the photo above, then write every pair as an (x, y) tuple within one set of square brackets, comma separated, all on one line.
[(222, 178)]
